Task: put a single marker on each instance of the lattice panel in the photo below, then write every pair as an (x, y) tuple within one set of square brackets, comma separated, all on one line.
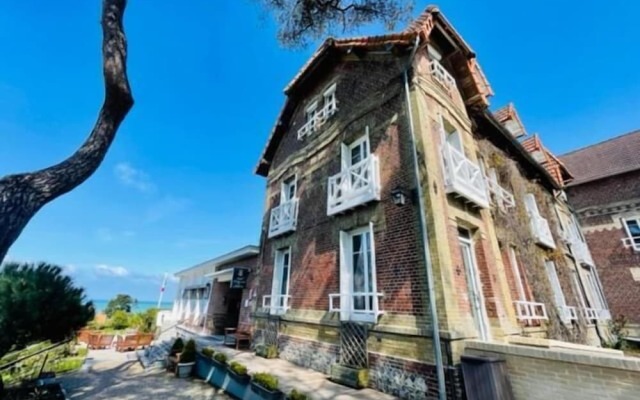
[(353, 345), (270, 332)]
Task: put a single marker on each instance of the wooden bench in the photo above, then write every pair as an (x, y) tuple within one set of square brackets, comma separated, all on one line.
[(237, 337)]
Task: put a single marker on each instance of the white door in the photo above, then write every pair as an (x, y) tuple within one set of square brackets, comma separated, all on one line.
[(280, 289), (473, 282)]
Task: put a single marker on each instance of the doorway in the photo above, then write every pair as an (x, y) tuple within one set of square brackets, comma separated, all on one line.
[(474, 287)]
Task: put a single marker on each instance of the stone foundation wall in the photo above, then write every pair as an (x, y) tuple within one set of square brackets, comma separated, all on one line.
[(314, 355)]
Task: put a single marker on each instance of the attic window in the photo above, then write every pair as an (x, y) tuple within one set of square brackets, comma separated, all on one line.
[(319, 112)]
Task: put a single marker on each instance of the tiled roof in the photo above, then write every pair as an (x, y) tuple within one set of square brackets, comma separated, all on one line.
[(419, 28), (611, 157), (508, 113), (547, 159)]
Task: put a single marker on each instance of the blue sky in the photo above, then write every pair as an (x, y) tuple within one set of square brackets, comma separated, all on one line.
[(178, 186)]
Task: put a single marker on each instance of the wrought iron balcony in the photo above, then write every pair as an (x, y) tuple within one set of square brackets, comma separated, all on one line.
[(530, 311), (463, 177), (318, 120), (276, 304), (443, 77), (283, 218), (541, 231), (354, 186), (358, 306)]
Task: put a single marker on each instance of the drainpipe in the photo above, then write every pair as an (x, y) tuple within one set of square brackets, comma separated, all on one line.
[(442, 393)]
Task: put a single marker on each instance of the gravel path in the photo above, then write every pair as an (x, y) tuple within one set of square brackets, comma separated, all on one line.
[(108, 374)]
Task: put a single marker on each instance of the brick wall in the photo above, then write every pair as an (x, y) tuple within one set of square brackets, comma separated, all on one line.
[(542, 374), (606, 191)]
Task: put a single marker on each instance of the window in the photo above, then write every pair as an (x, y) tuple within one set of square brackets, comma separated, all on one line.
[(632, 226), (358, 287), (516, 274), (280, 286), (288, 190), (318, 112), (593, 284), (311, 111), (558, 294), (451, 134), (473, 284), (329, 97), (356, 152)]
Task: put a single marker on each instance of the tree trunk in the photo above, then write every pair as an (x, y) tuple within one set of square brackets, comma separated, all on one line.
[(22, 195)]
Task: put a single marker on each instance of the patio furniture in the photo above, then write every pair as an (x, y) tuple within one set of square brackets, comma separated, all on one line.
[(126, 343), (144, 340), (238, 338), (83, 335), (100, 341), (94, 339)]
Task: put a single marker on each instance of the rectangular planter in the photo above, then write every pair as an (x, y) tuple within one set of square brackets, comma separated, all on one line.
[(236, 385), (266, 394), (357, 378), (219, 374), (185, 370), (204, 367)]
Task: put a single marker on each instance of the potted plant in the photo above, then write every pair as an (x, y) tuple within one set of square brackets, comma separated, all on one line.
[(219, 362), (266, 386), (238, 372), (186, 360), (270, 351), (174, 354), (295, 395), (204, 363)]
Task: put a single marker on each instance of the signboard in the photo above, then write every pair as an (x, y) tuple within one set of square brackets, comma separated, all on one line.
[(239, 278)]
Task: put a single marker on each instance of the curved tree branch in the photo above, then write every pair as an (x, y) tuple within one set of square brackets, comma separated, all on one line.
[(22, 195)]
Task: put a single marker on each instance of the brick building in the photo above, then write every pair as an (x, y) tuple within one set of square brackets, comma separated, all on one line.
[(398, 206), (606, 195)]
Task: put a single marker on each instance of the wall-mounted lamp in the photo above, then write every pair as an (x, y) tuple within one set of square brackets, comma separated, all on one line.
[(398, 196)]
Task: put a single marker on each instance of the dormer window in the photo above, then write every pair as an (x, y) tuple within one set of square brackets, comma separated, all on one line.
[(318, 112)]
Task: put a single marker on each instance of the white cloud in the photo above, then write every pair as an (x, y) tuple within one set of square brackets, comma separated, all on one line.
[(135, 178), (108, 270)]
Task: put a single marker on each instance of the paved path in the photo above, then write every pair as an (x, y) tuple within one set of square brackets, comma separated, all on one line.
[(108, 374)]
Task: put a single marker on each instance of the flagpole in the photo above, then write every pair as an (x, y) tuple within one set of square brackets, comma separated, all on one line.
[(164, 284)]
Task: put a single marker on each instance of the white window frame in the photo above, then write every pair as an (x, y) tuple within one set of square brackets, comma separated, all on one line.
[(631, 241), (310, 111), (473, 277), (291, 181), (345, 150), (347, 313), (276, 283), (600, 302), (329, 95), (558, 294), (513, 258), (457, 142)]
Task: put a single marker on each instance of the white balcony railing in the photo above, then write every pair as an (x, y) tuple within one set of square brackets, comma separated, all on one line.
[(633, 243), (276, 304), (442, 76), (283, 218), (568, 313), (503, 198), (358, 306), (318, 120), (590, 313), (354, 186), (529, 311), (541, 231), (463, 177)]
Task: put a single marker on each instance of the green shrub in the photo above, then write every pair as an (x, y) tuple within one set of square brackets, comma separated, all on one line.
[(82, 351), (188, 355), (177, 347), (295, 395), (238, 368), (220, 357), (208, 352), (265, 351), (618, 330), (266, 380), (120, 320)]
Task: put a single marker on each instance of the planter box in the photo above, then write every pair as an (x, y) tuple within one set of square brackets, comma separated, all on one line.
[(266, 394), (353, 377), (204, 367), (236, 385), (184, 370), (219, 374)]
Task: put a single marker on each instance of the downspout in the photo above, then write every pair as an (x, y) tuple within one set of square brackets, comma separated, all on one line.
[(437, 349)]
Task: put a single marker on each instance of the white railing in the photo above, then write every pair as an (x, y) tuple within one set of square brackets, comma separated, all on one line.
[(358, 306), (442, 76), (541, 231), (356, 185), (590, 313), (530, 311), (633, 243), (568, 313), (318, 120), (503, 198), (276, 304), (463, 177), (283, 218)]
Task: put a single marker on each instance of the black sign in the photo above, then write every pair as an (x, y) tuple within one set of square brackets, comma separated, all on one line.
[(239, 278)]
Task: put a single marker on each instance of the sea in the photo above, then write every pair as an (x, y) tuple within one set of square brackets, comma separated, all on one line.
[(139, 306)]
